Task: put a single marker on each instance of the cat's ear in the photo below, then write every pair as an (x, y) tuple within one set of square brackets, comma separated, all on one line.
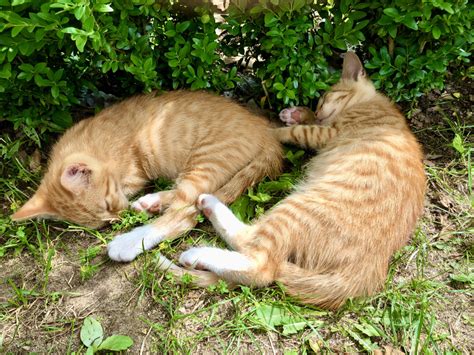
[(76, 177), (352, 68), (37, 206)]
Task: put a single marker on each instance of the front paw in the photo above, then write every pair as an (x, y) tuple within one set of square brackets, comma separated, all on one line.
[(206, 203), (150, 203), (296, 115), (126, 247)]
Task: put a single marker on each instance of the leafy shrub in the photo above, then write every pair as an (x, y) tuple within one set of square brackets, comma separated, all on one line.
[(58, 53), (416, 41), (62, 56)]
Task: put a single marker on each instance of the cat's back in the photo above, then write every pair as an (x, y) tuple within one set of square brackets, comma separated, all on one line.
[(201, 108), (181, 115)]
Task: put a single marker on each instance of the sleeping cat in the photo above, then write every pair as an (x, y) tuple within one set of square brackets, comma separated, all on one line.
[(208, 144), (333, 237)]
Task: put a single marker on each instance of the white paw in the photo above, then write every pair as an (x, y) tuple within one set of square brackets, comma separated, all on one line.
[(207, 203), (190, 258), (150, 203), (291, 116), (126, 247)]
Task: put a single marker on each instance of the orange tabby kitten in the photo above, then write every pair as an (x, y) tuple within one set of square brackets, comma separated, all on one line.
[(334, 236), (205, 142)]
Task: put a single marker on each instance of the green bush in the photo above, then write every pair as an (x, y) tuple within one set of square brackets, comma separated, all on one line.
[(62, 56), (416, 42)]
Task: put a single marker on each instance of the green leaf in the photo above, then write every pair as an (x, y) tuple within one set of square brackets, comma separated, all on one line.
[(391, 11), (16, 30), (293, 328), (20, 2), (260, 197), (256, 9), (116, 343), (278, 86), (91, 332), (79, 12), (339, 43), (55, 91), (464, 278), (103, 8), (270, 19), (41, 82), (183, 26), (436, 31), (290, 94), (344, 6), (5, 72), (81, 42), (273, 316), (458, 144), (270, 315), (72, 30), (410, 22), (392, 31), (205, 18), (173, 63), (364, 342), (368, 329)]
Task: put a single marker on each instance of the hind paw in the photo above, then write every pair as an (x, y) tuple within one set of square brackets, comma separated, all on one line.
[(193, 259), (150, 203), (206, 203)]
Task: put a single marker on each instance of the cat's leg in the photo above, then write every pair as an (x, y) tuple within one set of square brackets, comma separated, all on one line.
[(216, 260), (177, 219), (126, 247), (266, 163), (155, 202), (255, 269), (308, 136), (297, 115), (223, 220), (252, 262)]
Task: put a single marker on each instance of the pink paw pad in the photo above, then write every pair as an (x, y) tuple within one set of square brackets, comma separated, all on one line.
[(293, 115), (150, 203), (195, 266), (290, 116), (207, 212), (206, 203)]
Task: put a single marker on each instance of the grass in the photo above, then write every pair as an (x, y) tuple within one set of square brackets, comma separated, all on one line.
[(56, 274)]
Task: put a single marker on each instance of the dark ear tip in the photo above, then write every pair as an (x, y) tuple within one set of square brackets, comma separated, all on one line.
[(351, 55), (79, 168)]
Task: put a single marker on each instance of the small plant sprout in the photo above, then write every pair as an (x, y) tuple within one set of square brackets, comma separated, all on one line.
[(92, 336)]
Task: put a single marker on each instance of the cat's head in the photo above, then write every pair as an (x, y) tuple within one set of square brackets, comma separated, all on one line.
[(353, 88), (77, 189)]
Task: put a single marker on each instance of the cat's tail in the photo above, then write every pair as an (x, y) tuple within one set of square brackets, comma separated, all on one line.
[(327, 290), (200, 278), (267, 163)]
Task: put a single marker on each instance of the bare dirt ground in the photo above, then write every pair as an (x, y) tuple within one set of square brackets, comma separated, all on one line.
[(48, 287)]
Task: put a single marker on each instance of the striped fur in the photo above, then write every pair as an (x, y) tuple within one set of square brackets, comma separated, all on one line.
[(333, 237), (204, 142)]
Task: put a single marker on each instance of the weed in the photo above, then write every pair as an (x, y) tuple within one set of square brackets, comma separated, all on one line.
[(92, 336)]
